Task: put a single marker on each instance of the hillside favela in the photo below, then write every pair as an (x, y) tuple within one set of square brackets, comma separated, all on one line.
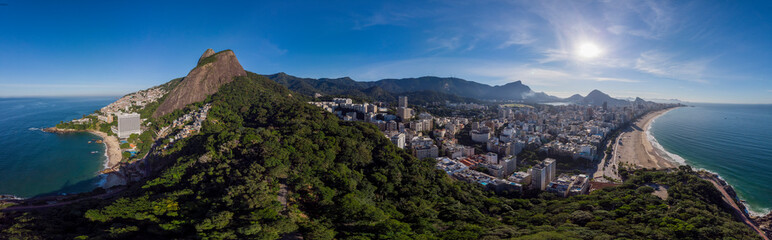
[(385, 120)]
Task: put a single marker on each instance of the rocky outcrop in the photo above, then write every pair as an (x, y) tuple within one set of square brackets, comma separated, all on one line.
[(61, 130), (764, 223), (207, 53), (212, 71)]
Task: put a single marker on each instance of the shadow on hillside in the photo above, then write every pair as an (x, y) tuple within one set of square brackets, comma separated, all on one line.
[(73, 188)]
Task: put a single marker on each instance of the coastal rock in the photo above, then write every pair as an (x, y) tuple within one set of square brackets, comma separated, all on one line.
[(205, 79), (60, 130), (764, 223)]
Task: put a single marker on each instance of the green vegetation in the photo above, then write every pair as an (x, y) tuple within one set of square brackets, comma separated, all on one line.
[(210, 59), (346, 181), (206, 60), (518, 105), (91, 125)]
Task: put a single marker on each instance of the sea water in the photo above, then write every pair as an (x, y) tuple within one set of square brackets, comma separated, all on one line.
[(729, 139), (33, 162)]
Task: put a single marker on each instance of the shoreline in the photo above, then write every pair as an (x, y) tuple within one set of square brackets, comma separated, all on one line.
[(637, 147), (675, 158), (729, 195), (112, 145)]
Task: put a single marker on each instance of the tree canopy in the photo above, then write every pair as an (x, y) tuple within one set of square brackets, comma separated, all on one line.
[(266, 165)]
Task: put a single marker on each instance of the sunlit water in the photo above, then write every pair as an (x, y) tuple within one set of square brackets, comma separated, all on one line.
[(33, 162), (731, 140)]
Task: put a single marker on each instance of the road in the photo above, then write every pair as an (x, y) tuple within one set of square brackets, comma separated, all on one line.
[(736, 211), (609, 168), (77, 199)]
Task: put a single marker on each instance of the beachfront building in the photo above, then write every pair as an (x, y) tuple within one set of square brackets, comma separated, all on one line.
[(128, 124)]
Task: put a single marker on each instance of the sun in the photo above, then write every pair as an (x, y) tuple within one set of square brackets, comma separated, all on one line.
[(588, 50)]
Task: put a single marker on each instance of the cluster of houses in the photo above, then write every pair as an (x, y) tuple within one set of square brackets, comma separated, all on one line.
[(187, 124), (560, 131)]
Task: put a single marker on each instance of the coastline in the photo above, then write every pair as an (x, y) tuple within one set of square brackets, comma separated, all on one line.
[(636, 147), (112, 145), (740, 209), (715, 177)]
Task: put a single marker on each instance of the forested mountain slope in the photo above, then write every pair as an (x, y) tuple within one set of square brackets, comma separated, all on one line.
[(345, 180)]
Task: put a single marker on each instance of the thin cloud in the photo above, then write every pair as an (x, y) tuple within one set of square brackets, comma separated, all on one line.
[(645, 19), (518, 38), (665, 65), (451, 43), (607, 79)]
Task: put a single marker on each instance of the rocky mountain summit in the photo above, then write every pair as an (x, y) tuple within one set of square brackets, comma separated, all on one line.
[(212, 71)]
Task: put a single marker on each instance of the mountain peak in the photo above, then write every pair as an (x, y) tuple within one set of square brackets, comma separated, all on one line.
[(575, 98), (595, 92), (212, 71), (518, 82), (207, 53)]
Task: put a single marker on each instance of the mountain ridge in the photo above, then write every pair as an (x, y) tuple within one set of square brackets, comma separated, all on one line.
[(450, 85)]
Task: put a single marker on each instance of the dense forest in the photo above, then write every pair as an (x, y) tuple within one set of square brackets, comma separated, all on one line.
[(267, 165)]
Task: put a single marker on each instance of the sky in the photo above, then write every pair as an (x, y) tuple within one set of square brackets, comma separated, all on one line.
[(701, 51)]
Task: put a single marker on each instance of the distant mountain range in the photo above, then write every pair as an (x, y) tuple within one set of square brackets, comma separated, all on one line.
[(452, 89), (453, 86)]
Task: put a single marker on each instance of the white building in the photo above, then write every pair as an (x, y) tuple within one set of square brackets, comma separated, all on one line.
[(542, 174), (424, 151), (399, 140), (405, 113), (481, 135), (492, 158), (128, 124), (342, 100)]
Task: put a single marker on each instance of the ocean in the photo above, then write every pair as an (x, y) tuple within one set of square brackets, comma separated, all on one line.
[(36, 163), (729, 139)]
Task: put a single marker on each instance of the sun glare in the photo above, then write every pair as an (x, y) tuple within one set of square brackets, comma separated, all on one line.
[(589, 50)]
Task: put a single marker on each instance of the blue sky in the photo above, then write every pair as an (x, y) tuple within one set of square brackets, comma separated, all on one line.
[(706, 51)]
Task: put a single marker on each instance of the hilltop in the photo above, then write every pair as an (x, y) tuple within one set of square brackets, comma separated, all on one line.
[(598, 98), (212, 71)]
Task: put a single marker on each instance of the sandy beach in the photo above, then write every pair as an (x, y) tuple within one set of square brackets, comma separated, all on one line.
[(112, 145), (113, 148), (634, 148)]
